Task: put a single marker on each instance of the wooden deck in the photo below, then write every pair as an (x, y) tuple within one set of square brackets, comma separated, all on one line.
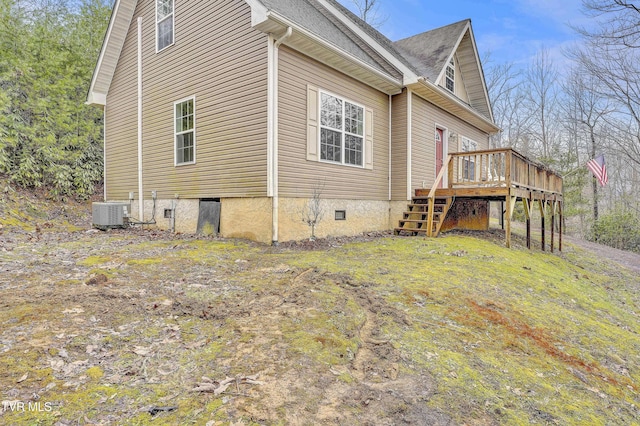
[(501, 175)]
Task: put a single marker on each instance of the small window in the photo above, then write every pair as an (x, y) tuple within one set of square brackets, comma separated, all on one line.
[(185, 134), (341, 215), (164, 24), (341, 131), (450, 76), (468, 163)]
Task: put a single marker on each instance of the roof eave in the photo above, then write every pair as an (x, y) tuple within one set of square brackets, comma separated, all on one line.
[(330, 54), (110, 51), (409, 76), (447, 101)]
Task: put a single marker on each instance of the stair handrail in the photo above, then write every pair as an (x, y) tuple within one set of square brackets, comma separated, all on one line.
[(432, 193), (443, 169)]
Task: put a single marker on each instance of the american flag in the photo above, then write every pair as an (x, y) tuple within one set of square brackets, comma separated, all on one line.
[(599, 169)]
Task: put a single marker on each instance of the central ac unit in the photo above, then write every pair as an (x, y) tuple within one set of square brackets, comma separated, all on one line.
[(110, 215)]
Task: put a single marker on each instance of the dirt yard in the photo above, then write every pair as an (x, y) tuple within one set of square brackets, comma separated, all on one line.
[(146, 327)]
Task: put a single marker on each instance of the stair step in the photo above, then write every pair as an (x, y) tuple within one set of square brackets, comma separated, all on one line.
[(416, 219), (436, 218), (398, 231), (441, 200), (436, 211), (424, 206)]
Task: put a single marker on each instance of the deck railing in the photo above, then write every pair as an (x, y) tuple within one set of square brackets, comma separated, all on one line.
[(502, 167)]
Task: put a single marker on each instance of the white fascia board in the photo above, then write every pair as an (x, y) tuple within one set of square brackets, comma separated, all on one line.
[(96, 98), (452, 98), (274, 17), (258, 12), (409, 76), (116, 15)]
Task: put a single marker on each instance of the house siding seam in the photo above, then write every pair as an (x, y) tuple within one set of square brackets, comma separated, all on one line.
[(226, 71), (298, 176)]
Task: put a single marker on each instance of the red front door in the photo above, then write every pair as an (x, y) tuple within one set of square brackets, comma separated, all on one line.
[(439, 159)]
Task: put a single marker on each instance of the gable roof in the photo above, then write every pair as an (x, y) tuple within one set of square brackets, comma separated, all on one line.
[(431, 51), (419, 72), (330, 33)]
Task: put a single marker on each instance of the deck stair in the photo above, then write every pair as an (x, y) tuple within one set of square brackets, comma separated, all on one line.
[(416, 219)]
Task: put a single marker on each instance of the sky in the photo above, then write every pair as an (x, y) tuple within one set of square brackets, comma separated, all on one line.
[(512, 30)]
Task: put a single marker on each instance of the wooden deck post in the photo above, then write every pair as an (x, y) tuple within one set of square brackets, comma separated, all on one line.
[(527, 212), (542, 203), (507, 214), (560, 226), (553, 222)]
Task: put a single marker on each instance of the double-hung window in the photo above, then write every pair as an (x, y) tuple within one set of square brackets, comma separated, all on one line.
[(341, 131), (450, 76), (164, 24), (185, 133), (469, 165)]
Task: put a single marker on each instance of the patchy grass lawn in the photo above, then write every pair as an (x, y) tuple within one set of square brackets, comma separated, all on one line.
[(144, 328)]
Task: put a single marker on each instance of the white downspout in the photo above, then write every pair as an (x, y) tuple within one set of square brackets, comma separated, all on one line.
[(273, 104), (270, 114), (390, 137), (409, 109), (104, 153), (140, 186)]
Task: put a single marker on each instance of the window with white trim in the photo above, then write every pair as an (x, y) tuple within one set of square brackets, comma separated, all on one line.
[(164, 24), (450, 76), (341, 130), (468, 163), (185, 133)]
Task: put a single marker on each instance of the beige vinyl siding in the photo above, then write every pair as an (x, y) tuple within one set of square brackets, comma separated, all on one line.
[(425, 118), (299, 176), (222, 62), (460, 83), (121, 124), (399, 147)]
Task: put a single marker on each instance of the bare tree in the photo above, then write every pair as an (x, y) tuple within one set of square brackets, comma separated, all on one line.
[(587, 108), (612, 54), (369, 12), (542, 87), (619, 22), (502, 84), (508, 97), (313, 211)]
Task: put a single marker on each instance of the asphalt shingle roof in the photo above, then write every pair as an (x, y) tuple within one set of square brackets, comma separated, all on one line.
[(429, 51)]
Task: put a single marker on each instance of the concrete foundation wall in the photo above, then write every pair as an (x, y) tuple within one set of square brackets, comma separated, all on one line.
[(251, 218), (396, 208), (361, 216), (186, 213)]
